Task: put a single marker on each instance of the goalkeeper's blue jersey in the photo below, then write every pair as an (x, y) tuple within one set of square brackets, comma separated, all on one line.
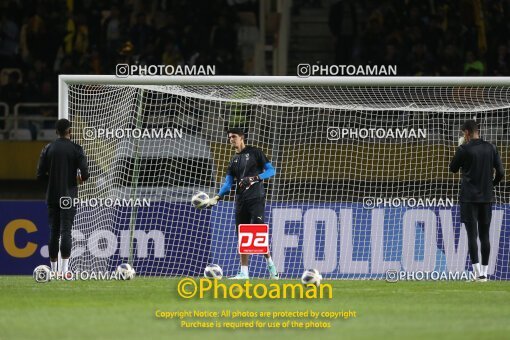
[(249, 162)]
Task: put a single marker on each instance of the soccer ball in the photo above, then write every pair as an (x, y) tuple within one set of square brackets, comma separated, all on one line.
[(311, 277), (213, 271), (42, 274), (125, 271), (199, 200)]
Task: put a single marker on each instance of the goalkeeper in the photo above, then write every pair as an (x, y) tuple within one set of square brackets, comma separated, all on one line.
[(478, 159), (249, 167)]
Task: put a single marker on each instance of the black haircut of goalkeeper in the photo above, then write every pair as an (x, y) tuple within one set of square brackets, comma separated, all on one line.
[(470, 126), (63, 125), (238, 131)]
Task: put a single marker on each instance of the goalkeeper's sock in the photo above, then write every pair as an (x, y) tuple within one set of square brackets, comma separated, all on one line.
[(476, 269), (485, 269), (270, 261), (244, 270), (54, 266), (65, 264)]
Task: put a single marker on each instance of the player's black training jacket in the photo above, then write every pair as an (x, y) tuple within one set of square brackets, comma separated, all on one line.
[(59, 162), (477, 159), (249, 162)]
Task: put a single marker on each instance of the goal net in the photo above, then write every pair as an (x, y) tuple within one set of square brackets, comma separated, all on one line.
[(362, 187)]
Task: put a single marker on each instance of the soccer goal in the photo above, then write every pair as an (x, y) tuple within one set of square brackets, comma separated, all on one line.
[(362, 187)]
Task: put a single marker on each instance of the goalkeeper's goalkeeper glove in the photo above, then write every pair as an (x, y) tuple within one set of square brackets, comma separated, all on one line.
[(461, 140), (212, 201), (247, 182)]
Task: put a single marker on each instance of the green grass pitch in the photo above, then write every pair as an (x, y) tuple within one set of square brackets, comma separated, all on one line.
[(125, 310)]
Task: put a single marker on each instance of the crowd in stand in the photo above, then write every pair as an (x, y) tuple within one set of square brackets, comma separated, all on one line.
[(434, 37), (40, 39)]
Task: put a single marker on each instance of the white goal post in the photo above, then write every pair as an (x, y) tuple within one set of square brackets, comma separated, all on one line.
[(362, 187)]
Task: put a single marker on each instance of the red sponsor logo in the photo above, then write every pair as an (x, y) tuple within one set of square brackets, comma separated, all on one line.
[(253, 239)]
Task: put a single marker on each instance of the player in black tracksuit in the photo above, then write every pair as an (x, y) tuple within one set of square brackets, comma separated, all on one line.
[(478, 159), (248, 168), (58, 163)]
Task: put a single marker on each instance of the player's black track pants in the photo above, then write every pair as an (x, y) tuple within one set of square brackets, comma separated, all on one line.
[(61, 222), (477, 219)]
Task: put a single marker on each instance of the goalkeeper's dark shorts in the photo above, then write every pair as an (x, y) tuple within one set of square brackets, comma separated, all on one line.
[(250, 211)]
